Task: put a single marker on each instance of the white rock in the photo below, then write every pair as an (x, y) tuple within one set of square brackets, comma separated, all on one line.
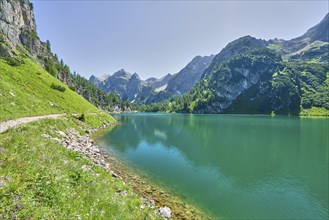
[(164, 212), (61, 133), (46, 136)]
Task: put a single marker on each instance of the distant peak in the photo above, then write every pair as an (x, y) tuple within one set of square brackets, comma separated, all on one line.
[(319, 31), (199, 58), (135, 75), (122, 73), (97, 78)]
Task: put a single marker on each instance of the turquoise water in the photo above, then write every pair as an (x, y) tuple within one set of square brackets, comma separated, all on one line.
[(235, 167)]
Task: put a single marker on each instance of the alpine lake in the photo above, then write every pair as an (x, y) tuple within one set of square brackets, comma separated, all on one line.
[(231, 166)]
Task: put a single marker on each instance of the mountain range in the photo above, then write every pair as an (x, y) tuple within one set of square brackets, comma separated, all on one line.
[(130, 87), (256, 76), (249, 75)]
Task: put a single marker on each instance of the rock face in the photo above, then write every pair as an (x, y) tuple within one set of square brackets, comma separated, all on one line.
[(159, 84), (238, 46), (96, 80), (185, 79), (17, 24), (227, 80), (16, 17)]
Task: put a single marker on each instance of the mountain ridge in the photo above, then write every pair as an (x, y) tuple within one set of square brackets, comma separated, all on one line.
[(256, 76), (153, 89)]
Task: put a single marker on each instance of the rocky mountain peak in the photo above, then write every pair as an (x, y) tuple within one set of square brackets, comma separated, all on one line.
[(320, 31), (240, 45), (135, 76), (93, 78), (122, 73), (157, 83), (185, 79), (96, 80)]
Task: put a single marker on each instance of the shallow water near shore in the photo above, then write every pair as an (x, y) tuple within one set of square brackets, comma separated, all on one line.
[(233, 166)]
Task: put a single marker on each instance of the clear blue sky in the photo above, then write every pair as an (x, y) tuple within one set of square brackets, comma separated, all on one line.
[(154, 38)]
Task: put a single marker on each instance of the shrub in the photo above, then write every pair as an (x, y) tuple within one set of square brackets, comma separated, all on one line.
[(12, 61), (82, 117), (72, 87), (58, 87)]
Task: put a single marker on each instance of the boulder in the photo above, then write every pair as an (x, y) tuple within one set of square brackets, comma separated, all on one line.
[(164, 212)]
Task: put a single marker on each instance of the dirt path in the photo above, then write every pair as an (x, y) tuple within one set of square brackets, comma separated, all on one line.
[(5, 125)]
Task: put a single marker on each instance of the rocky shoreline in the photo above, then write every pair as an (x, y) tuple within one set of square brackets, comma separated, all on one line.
[(84, 144), (166, 206)]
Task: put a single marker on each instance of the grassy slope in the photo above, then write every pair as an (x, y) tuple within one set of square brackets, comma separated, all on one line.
[(33, 95), (41, 179)]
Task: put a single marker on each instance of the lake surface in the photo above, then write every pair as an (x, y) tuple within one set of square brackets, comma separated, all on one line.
[(233, 166)]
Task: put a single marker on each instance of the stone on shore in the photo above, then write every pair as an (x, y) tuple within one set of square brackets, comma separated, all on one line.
[(164, 212)]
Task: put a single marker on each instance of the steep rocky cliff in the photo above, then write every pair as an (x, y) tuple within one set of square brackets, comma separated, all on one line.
[(17, 24), (185, 79)]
